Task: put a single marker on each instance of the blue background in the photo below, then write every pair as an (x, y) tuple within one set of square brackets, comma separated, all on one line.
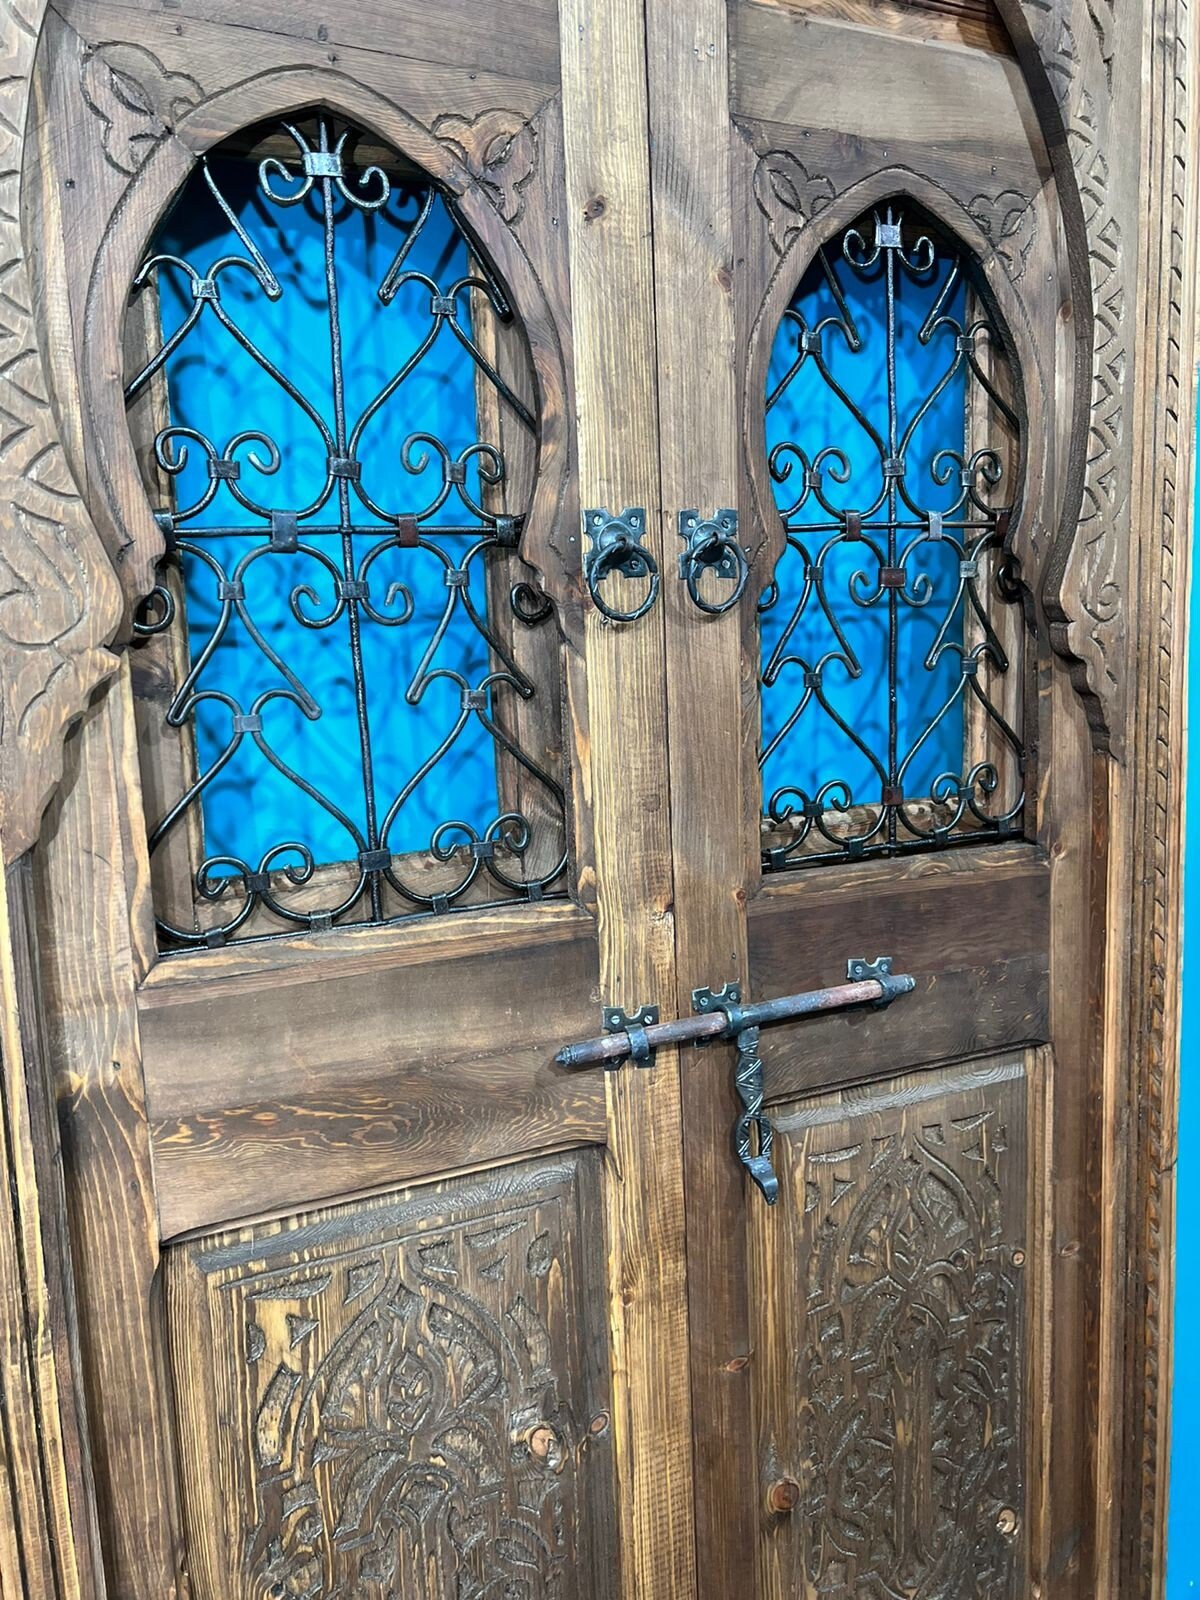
[(1183, 1527), (217, 388)]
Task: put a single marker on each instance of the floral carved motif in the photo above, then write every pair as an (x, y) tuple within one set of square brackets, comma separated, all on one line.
[(136, 99), (910, 1438), (1009, 220), (59, 599), (412, 1397), (788, 195), (499, 150)]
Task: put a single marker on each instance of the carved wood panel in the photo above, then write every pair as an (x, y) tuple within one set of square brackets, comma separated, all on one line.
[(400, 1397), (891, 1290)]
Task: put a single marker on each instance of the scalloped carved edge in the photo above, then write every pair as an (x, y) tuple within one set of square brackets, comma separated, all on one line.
[(60, 602), (1082, 63)]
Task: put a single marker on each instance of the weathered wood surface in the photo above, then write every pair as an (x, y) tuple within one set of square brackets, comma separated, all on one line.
[(891, 1290), (88, 973), (1079, 945), (280, 1075), (416, 1388), (49, 1540), (713, 783), (609, 223)]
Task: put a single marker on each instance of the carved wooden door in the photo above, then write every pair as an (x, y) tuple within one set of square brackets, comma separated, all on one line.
[(375, 1299), (864, 302), (543, 507)]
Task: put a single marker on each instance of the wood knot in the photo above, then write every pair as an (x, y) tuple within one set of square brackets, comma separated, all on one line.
[(783, 1496), (595, 208)]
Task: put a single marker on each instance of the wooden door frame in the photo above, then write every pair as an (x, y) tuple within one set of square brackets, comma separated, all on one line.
[(1118, 597)]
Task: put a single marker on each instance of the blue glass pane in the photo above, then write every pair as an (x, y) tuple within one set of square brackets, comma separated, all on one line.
[(218, 389), (354, 601), (892, 541)]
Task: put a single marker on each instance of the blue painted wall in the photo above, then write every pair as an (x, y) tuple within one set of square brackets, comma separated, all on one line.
[(1183, 1528)]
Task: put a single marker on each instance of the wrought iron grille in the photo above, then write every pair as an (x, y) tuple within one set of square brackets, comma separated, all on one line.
[(892, 637), (357, 547)]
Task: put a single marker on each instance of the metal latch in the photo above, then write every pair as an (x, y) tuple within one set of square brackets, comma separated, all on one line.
[(721, 1015)]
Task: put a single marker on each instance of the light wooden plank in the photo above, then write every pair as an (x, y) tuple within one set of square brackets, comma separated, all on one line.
[(609, 224)]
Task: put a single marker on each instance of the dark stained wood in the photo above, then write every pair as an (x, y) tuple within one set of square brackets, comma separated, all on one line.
[(88, 976), (971, 927), (49, 1539), (649, 265), (891, 1292), (418, 1390)]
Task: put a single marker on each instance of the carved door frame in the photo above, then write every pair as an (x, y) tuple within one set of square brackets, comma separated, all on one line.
[(1116, 593)]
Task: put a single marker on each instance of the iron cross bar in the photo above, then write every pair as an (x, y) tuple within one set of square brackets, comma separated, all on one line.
[(721, 1015)]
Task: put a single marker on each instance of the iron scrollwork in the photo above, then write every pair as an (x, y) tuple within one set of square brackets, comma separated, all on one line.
[(710, 544), (896, 547), (350, 550), (615, 546)]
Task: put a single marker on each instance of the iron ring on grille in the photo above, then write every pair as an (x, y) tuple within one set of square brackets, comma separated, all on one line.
[(616, 547), (710, 544)]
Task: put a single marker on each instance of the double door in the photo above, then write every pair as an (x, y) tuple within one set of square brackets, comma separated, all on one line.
[(762, 318)]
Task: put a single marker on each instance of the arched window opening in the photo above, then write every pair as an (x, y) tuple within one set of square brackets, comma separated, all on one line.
[(347, 690), (893, 644)]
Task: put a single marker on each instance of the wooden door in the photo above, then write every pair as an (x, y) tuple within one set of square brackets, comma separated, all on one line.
[(863, 302), (374, 1297), (363, 1292)]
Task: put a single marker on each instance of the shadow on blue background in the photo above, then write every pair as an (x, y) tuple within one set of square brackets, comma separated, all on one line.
[(1183, 1525), (811, 416), (217, 388)]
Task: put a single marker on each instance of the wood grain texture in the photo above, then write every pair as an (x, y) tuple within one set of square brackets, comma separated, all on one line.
[(1083, 60), (59, 598), (404, 1396), (49, 1540), (612, 306), (890, 1294), (86, 866), (973, 928), (710, 729), (1163, 500), (272, 1083), (970, 22)]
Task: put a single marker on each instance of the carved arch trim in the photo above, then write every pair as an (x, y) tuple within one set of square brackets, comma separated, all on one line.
[(60, 602), (836, 214), (1082, 62), (124, 518)]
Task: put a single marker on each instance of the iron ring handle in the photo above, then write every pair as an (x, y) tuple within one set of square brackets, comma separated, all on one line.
[(616, 546), (712, 543)]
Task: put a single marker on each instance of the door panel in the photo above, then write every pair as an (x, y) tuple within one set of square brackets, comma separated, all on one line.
[(526, 1299), (407, 1056), (971, 928), (406, 1396), (892, 1325), (824, 1472)]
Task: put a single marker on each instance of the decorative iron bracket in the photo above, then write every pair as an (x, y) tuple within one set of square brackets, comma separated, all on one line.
[(633, 1025), (860, 970), (710, 544), (616, 547)]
